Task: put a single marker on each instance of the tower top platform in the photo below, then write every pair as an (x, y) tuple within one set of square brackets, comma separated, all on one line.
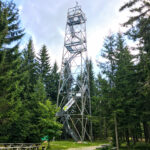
[(75, 16)]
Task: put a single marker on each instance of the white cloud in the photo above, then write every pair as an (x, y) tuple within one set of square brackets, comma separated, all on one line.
[(20, 9), (46, 20)]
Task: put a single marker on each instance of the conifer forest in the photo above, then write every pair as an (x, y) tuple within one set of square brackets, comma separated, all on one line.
[(119, 88)]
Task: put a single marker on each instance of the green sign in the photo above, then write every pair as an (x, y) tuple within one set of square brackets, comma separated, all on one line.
[(45, 138)]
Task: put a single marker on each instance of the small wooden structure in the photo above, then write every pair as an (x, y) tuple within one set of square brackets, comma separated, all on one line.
[(19, 146)]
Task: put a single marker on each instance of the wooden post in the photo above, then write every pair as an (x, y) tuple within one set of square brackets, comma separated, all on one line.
[(43, 148)]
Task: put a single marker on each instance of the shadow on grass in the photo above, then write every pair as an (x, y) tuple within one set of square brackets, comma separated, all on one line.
[(138, 146)]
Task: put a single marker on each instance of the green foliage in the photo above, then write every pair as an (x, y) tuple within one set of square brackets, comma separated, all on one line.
[(53, 83), (48, 123), (92, 87), (28, 83), (30, 65), (22, 91), (142, 146), (116, 90), (44, 68), (49, 75), (10, 64), (139, 30), (44, 62), (124, 88), (9, 24)]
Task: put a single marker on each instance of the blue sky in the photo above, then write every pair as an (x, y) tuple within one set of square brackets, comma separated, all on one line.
[(45, 21)]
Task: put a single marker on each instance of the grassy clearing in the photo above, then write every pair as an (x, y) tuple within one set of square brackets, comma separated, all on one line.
[(62, 145), (138, 146)]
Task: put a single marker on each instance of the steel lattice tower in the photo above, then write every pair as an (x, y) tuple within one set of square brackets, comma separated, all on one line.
[(73, 93)]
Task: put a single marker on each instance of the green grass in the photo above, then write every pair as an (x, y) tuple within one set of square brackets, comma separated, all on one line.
[(138, 146), (62, 145)]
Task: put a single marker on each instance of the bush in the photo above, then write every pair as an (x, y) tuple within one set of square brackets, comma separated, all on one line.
[(142, 146)]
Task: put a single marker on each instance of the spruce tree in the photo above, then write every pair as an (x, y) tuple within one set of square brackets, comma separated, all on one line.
[(125, 86), (117, 91), (30, 98), (91, 77), (139, 30), (44, 68), (3, 23), (109, 69), (53, 83), (9, 24), (30, 63), (10, 90), (37, 96), (119, 72), (10, 64), (108, 53), (101, 111)]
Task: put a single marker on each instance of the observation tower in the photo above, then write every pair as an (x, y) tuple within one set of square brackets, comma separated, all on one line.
[(73, 92)]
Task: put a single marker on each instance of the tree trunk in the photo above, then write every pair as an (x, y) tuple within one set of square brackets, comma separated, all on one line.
[(100, 129), (133, 135), (137, 138), (48, 146), (127, 137), (105, 128), (116, 131), (146, 131), (134, 140)]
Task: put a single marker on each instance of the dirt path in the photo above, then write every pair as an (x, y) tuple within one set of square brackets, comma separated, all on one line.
[(85, 148)]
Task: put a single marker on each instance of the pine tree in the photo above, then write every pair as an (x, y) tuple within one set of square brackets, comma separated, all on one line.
[(109, 69), (100, 114), (44, 62), (117, 91), (108, 52), (9, 24), (53, 83), (44, 68), (3, 23), (30, 63), (140, 31), (125, 86), (10, 89), (120, 87), (33, 93), (91, 77), (37, 96), (10, 75)]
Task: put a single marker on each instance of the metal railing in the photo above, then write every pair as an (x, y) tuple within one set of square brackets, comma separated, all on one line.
[(20, 146)]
